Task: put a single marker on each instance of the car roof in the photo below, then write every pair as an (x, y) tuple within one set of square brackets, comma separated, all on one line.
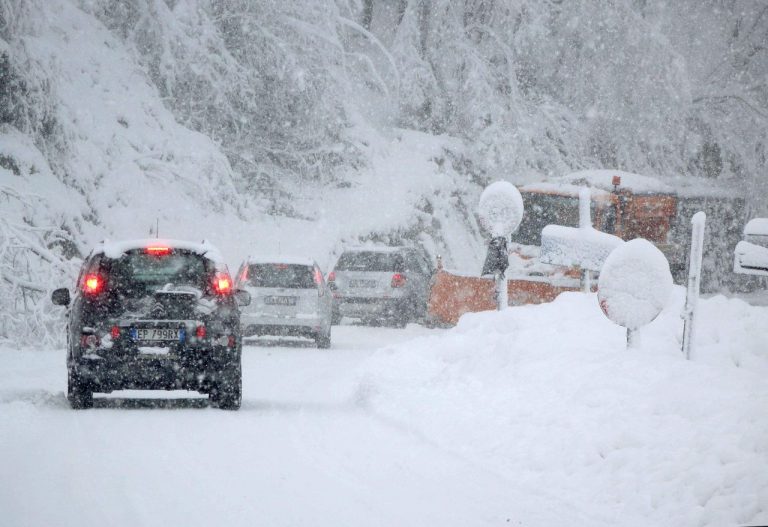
[(115, 249), (290, 260)]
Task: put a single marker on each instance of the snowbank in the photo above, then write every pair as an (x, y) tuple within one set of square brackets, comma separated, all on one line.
[(548, 396)]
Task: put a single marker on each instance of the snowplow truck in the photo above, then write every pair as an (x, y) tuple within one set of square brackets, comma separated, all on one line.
[(626, 205)]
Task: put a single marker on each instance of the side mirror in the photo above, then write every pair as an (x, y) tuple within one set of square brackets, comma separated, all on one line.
[(60, 297), (243, 297)]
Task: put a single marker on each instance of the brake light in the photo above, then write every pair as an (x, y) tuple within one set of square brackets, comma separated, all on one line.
[(222, 284), (158, 250), (318, 276), (332, 276), (115, 332), (93, 284), (200, 332), (398, 280)]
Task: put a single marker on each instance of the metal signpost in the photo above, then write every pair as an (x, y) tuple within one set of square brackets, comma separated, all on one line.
[(501, 211)]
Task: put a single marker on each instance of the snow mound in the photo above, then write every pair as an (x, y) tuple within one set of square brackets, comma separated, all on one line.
[(635, 283), (547, 396)]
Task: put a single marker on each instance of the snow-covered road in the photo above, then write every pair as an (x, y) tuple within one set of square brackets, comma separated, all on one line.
[(305, 449)]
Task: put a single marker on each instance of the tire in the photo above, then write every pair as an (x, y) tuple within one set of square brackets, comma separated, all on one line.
[(227, 392), (323, 341), (335, 318), (79, 393)]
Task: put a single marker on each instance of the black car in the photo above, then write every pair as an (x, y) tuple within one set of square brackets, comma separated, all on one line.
[(155, 315)]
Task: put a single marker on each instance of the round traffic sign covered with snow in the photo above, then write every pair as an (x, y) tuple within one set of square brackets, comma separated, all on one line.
[(501, 208), (635, 284)]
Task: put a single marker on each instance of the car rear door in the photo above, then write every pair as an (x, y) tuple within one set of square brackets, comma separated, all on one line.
[(282, 291), (365, 274)]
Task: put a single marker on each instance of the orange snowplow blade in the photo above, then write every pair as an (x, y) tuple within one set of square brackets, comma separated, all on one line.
[(453, 295)]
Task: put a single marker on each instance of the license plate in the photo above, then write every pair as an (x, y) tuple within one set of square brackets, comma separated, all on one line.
[(280, 300), (156, 334), (362, 283)]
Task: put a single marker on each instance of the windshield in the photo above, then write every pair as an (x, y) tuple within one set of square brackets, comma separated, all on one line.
[(548, 209), (137, 272), (370, 261), (281, 275)]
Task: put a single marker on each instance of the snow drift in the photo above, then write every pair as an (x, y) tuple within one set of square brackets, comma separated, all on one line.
[(549, 395)]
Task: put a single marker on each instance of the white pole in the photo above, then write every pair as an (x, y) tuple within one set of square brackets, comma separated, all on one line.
[(585, 222), (502, 300), (694, 281)]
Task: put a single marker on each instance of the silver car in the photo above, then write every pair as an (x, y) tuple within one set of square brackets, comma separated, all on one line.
[(289, 298), (387, 285)]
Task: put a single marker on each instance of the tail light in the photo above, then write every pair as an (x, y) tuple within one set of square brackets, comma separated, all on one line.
[(222, 284), (398, 280), (244, 275), (93, 284), (332, 276), (115, 332), (200, 332), (318, 277)]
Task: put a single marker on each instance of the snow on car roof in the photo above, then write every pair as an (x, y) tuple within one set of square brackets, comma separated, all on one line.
[(115, 249), (290, 260), (757, 227)]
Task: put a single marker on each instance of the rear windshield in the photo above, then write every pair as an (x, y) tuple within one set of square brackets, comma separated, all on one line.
[(370, 261), (138, 272), (291, 276)]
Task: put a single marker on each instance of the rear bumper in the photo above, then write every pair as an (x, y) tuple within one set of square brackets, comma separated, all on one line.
[(362, 307), (183, 370), (281, 330), (304, 325)]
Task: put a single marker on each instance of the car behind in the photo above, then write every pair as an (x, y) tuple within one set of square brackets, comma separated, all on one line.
[(290, 298), (388, 285)]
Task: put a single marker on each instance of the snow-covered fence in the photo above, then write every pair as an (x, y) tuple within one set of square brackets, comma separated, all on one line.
[(31, 266)]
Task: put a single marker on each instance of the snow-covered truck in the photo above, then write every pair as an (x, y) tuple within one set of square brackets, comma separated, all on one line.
[(623, 204)]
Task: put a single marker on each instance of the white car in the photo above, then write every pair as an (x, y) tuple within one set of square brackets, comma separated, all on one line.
[(289, 297)]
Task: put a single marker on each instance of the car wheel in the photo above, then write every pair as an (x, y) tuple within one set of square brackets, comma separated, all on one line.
[(335, 318), (227, 392), (79, 392), (323, 341)]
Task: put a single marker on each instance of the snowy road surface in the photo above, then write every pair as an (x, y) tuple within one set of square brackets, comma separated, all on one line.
[(304, 450)]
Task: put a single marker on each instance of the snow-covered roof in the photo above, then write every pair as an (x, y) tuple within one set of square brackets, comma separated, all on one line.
[(564, 189), (603, 179), (290, 260), (756, 227), (115, 249)]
